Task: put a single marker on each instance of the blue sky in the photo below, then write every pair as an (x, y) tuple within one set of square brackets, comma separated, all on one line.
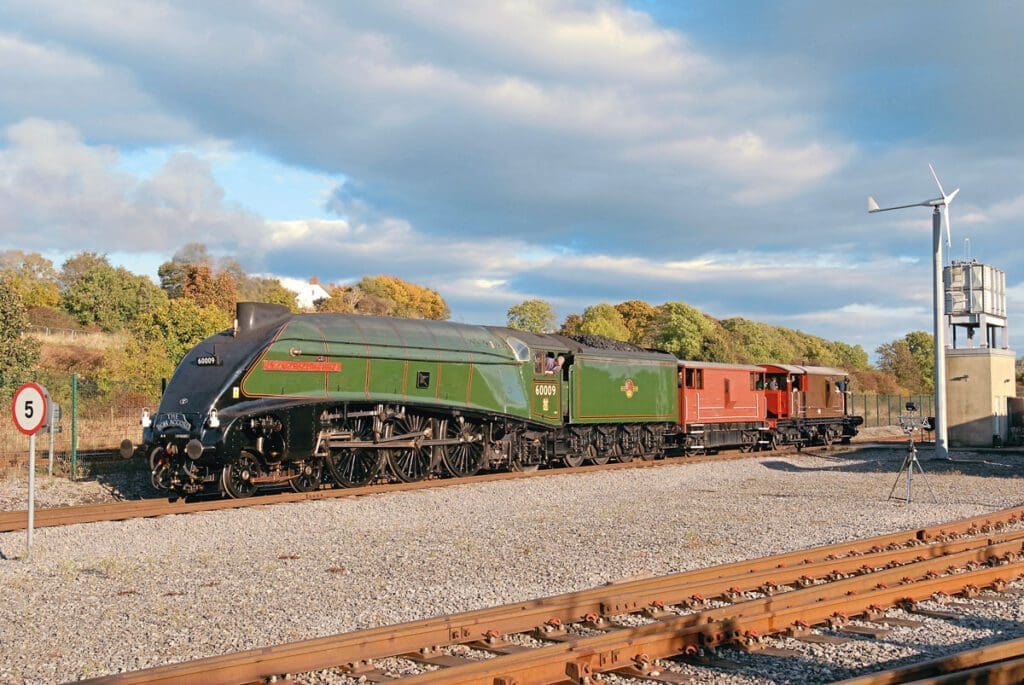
[(581, 152)]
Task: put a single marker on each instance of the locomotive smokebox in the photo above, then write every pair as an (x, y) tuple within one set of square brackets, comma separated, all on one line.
[(250, 316)]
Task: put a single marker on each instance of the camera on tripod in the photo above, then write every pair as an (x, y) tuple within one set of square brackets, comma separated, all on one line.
[(910, 421)]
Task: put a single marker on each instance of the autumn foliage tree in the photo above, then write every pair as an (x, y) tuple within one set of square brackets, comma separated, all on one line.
[(403, 298)]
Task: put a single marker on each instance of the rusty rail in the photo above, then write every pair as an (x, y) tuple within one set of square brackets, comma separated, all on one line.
[(147, 508), (1002, 662), (889, 560)]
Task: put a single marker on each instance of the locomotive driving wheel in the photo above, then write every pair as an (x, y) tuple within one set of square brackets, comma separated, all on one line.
[(236, 479), (159, 469), (355, 467), (409, 464), (310, 475), (464, 458)]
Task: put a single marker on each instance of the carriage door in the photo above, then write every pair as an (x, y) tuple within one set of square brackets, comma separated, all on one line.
[(546, 398)]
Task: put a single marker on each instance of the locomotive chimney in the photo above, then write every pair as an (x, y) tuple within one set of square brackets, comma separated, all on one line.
[(250, 316)]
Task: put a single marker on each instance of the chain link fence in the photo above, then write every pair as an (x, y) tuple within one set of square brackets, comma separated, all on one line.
[(885, 410), (99, 427)]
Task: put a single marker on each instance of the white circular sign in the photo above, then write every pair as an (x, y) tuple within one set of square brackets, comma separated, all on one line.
[(29, 408)]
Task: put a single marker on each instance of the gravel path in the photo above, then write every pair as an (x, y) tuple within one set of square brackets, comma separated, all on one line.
[(106, 597)]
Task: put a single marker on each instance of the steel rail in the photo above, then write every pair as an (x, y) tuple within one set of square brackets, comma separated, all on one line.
[(148, 508), (633, 595), (994, 657), (631, 649)]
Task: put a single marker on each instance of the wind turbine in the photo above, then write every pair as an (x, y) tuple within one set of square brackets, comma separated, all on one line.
[(938, 302)]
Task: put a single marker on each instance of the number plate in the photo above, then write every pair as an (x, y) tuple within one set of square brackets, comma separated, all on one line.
[(207, 360)]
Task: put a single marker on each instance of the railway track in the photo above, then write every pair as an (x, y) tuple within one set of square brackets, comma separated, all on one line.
[(626, 627), (147, 508), (995, 664)]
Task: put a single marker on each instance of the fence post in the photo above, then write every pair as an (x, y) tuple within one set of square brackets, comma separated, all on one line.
[(74, 424)]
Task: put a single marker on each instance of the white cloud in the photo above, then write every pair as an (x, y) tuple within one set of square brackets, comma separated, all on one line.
[(57, 190)]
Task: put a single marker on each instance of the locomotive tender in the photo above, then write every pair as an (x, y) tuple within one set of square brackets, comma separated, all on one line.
[(307, 398)]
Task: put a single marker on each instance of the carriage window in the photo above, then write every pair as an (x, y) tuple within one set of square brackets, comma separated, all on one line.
[(695, 378), (756, 383)]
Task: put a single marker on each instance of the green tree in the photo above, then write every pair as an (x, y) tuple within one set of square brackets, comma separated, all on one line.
[(603, 319), (909, 360), (532, 315), (639, 318), (75, 267), (690, 334), (18, 351), (160, 338), (109, 298)]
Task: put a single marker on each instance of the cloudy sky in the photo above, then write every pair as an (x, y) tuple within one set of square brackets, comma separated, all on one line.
[(579, 152)]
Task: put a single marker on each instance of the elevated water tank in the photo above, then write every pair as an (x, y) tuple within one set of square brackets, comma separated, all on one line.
[(975, 299)]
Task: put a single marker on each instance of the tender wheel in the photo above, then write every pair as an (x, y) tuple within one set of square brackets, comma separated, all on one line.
[(160, 469), (353, 468), (310, 475), (466, 457), (593, 457), (236, 478), (573, 460), (409, 464)]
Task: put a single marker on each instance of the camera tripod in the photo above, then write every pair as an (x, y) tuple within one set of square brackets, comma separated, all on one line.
[(910, 461)]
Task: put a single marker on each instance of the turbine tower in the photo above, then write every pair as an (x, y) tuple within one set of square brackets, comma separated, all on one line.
[(938, 301)]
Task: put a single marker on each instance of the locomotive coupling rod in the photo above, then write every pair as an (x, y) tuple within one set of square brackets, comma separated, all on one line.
[(398, 442)]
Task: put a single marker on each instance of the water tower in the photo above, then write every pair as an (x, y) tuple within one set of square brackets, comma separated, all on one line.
[(979, 365)]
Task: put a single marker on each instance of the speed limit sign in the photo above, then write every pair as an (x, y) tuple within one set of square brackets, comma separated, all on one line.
[(29, 408)]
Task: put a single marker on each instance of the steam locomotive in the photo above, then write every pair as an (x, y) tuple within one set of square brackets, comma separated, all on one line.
[(304, 399)]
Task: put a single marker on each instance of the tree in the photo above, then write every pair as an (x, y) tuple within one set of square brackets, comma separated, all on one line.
[(688, 333), (639, 318), (255, 289), (109, 298), (537, 316), (405, 299), (75, 267), (571, 325), (909, 360), (33, 276), (174, 273), (160, 338), (208, 290), (339, 300), (18, 351), (603, 319)]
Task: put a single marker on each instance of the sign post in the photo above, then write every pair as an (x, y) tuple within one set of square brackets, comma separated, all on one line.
[(29, 410)]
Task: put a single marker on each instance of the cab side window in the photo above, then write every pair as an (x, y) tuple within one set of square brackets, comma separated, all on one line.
[(695, 378)]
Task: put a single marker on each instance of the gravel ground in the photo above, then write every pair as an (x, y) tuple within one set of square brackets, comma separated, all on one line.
[(106, 597)]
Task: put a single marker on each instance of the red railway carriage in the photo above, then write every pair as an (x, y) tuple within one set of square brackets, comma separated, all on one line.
[(808, 404), (722, 405)]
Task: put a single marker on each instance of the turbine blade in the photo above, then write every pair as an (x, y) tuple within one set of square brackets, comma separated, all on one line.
[(936, 177), (951, 196), (872, 204)]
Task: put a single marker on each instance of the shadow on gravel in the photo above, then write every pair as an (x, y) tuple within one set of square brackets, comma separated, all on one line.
[(123, 479), (879, 460)]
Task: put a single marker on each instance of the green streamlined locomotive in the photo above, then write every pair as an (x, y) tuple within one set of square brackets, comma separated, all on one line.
[(304, 398)]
